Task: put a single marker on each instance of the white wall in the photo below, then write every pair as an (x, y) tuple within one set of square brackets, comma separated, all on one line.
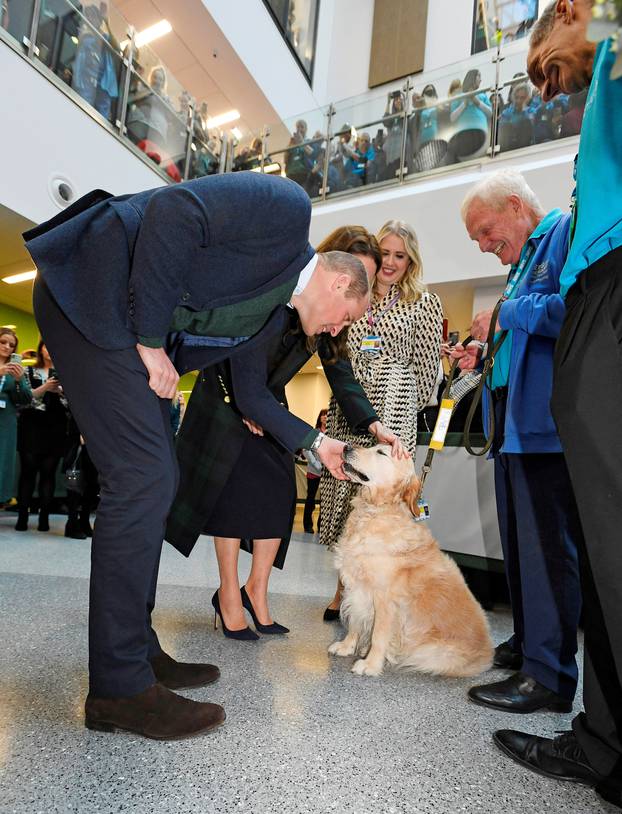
[(448, 37), (256, 39), (44, 134)]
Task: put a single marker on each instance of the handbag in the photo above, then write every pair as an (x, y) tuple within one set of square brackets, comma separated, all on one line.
[(74, 476)]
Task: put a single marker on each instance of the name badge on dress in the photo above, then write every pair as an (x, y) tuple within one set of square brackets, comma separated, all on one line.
[(371, 344)]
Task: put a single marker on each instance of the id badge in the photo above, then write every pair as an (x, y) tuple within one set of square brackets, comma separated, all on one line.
[(442, 424), (423, 511), (371, 344), (2, 404)]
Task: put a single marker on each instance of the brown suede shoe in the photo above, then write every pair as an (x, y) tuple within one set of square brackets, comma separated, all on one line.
[(154, 713), (179, 675)]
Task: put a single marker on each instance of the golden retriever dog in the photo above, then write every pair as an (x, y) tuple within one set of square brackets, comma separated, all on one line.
[(404, 601)]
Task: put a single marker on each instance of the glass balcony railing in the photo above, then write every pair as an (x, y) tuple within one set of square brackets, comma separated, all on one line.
[(476, 110)]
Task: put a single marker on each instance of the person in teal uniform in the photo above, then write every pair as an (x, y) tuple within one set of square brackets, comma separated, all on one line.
[(587, 392), (470, 116), (14, 390)]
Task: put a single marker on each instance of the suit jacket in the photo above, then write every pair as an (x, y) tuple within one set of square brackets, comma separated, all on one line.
[(212, 435), (119, 266)]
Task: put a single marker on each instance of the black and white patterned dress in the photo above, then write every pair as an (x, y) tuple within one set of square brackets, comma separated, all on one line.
[(398, 381)]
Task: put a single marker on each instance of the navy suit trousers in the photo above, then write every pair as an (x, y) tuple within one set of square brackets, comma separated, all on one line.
[(540, 534), (128, 432)]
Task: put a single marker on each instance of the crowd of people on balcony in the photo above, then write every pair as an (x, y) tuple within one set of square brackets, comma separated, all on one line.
[(438, 132)]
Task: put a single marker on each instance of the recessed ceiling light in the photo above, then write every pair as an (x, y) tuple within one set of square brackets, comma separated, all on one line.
[(224, 118), (20, 278), (154, 32)]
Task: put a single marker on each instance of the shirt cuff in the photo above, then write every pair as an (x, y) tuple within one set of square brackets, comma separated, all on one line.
[(506, 312), (366, 423), (309, 438), (151, 341)]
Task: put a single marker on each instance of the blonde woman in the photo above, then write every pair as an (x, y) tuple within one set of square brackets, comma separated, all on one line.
[(395, 352)]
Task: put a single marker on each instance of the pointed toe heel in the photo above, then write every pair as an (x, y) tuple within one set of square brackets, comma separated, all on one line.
[(244, 635), (274, 628)]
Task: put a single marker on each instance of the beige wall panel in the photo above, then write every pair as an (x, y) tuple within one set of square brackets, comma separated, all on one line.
[(398, 40)]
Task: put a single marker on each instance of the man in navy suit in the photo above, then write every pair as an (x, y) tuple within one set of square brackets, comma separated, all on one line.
[(132, 291)]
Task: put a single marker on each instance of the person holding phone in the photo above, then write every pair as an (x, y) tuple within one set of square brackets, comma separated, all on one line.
[(14, 391), (41, 440)]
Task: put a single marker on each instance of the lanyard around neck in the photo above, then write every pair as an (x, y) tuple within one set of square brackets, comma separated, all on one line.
[(372, 320), (520, 271)]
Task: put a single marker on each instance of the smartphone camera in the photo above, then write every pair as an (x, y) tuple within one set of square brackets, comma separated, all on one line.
[(453, 338)]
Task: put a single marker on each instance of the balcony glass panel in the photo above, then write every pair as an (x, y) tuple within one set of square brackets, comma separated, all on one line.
[(204, 158), (524, 119), (155, 127), (16, 18), (297, 22), (78, 47)]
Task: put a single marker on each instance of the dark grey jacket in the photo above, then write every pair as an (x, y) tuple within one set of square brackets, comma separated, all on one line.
[(119, 266)]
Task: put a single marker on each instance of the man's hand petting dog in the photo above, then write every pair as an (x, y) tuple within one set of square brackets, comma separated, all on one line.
[(163, 377)]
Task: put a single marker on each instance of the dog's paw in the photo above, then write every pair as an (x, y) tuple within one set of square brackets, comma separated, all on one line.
[(342, 648), (363, 667)]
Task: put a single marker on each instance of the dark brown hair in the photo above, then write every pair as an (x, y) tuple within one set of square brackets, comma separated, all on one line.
[(10, 332), (40, 360), (353, 240), (544, 25)]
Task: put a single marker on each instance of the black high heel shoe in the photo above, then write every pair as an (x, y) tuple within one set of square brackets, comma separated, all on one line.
[(273, 628), (246, 634), (331, 614)]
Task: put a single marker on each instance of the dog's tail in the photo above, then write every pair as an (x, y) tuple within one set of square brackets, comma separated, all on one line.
[(455, 659)]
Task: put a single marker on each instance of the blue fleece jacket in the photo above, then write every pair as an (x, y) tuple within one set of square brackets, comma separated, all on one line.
[(535, 317)]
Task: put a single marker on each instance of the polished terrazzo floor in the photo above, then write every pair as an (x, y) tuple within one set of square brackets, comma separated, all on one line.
[(302, 733)]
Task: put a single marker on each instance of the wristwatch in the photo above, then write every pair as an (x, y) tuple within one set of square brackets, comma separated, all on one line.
[(316, 444)]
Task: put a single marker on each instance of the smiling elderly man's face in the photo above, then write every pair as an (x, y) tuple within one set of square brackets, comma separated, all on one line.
[(502, 233)]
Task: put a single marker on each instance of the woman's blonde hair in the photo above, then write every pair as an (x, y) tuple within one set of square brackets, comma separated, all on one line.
[(411, 285)]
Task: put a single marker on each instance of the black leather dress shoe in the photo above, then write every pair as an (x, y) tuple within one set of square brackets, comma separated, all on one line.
[(518, 693), (179, 675), (506, 657), (561, 758)]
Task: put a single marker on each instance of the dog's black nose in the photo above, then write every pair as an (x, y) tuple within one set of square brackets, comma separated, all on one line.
[(348, 450)]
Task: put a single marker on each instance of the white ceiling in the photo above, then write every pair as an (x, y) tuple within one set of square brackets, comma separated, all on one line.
[(201, 59)]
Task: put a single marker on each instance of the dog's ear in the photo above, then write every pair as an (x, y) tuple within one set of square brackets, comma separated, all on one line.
[(410, 494)]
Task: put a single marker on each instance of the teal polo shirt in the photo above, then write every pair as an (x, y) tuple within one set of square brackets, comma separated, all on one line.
[(598, 214), (501, 370)]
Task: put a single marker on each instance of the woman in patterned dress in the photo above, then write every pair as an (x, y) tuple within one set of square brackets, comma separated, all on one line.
[(395, 352)]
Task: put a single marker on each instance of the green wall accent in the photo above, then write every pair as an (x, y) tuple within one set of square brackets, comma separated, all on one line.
[(26, 330)]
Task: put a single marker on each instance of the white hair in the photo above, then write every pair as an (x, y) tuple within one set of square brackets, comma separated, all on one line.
[(495, 189)]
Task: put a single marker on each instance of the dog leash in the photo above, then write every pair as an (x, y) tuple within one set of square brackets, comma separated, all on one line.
[(445, 413)]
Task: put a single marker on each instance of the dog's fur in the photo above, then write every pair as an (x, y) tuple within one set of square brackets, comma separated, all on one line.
[(404, 600)]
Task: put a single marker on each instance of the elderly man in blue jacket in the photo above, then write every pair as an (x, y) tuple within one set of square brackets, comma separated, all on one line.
[(133, 290), (538, 518)]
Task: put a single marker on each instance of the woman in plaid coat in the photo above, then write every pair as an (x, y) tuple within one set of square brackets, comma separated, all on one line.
[(239, 486)]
